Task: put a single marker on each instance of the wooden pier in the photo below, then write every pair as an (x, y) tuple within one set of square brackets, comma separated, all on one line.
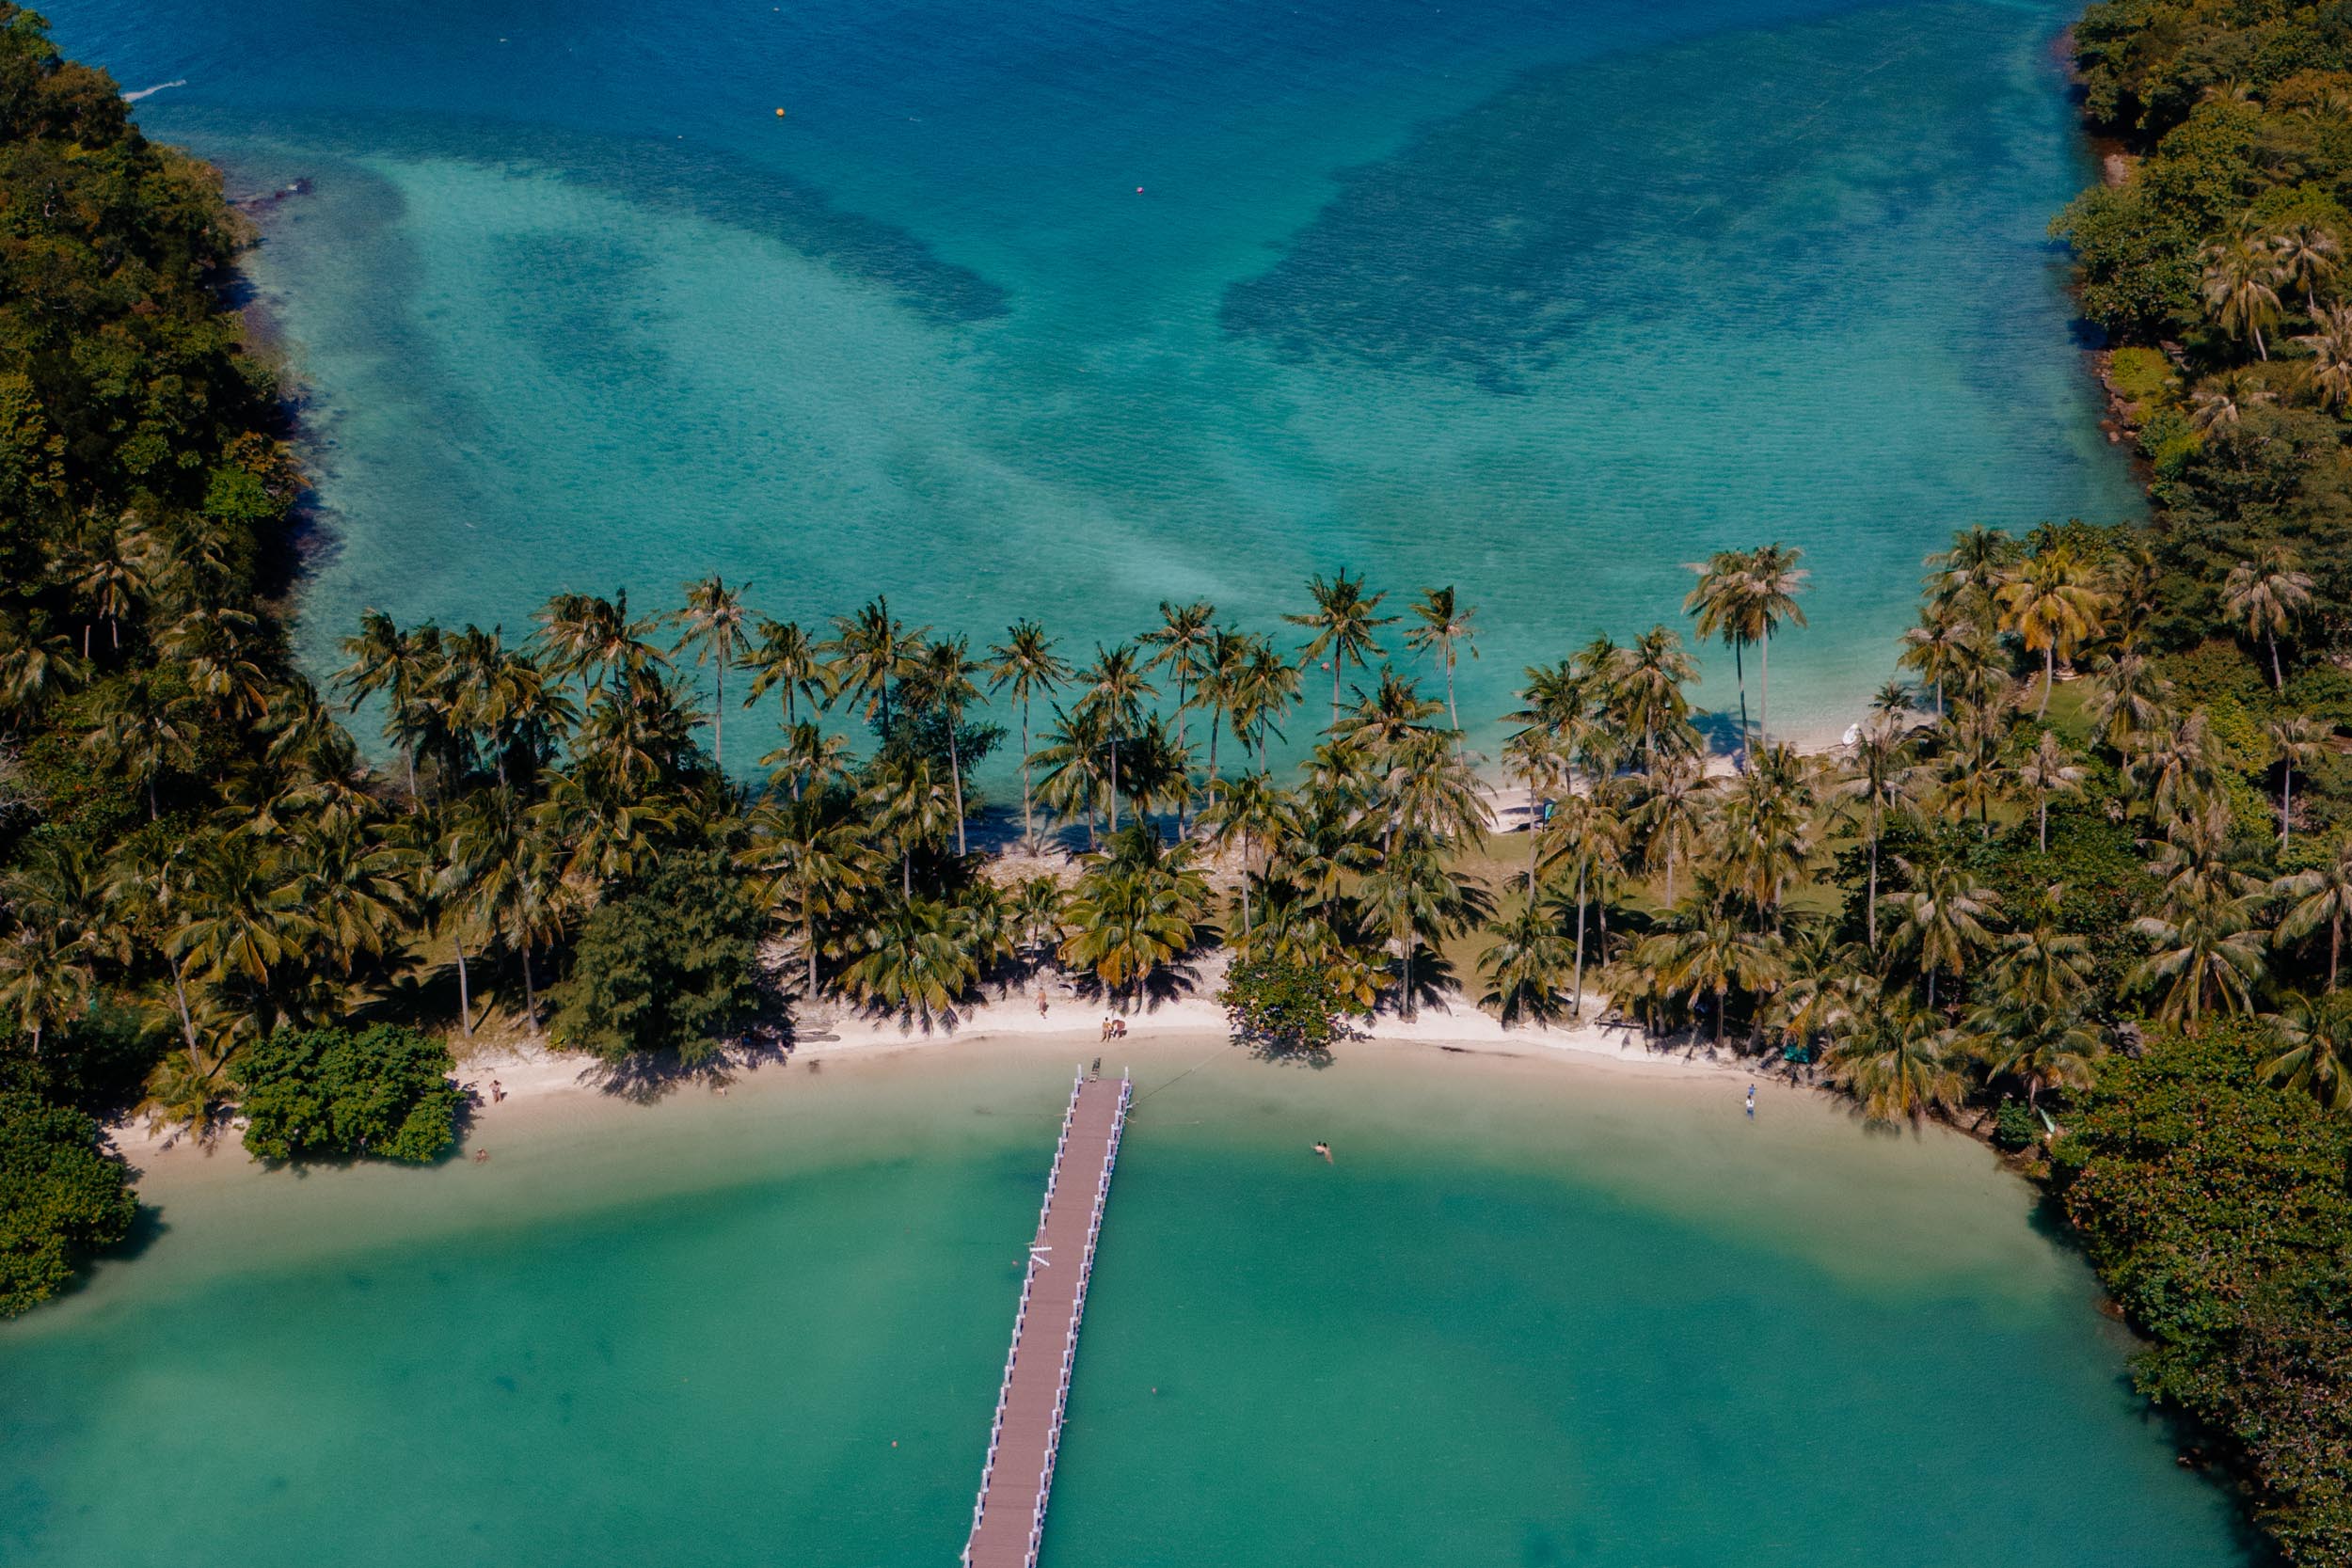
[(1008, 1520)]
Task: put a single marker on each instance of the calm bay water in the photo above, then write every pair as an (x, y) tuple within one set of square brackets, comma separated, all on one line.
[(1063, 309), (1533, 1315)]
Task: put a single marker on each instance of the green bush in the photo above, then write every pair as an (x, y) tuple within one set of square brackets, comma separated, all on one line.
[(2214, 1207), (2141, 376), (1284, 1006), (672, 966), (383, 1092), (2015, 1126), (61, 1195)]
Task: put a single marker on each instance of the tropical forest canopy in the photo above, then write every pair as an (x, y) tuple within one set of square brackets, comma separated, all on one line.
[(2080, 878)]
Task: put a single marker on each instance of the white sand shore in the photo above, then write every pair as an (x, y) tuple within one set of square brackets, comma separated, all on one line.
[(516, 1077)]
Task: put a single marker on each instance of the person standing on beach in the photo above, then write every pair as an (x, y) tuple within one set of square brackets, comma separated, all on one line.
[(1751, 1101)]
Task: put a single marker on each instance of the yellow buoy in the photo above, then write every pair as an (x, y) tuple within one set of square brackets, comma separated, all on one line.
[(779, 114)]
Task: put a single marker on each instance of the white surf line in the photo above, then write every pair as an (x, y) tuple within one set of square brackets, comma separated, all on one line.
[(149, 92)]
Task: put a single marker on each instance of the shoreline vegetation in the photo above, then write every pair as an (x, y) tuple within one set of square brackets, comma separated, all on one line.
[(2079, 879)]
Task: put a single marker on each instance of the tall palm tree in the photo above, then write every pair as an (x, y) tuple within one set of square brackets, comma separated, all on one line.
[(1115, 689), (1898, 1061), (1706, 949), (1181, 642), (350, 888), (2048, 769), (908, 959), (2128, 698), (2265, 596), (2297, 741), (811, 870), (1588, 836), (1645, 683), (1344, 626), (2321, 895), (2055, 604), (1669, 815), (1026, 662), (506, 875), (910, 807), (1267, 691), (2329, 371), (235, 915), (1244, 814), (809, 758), (941, 677), (1224, 666), (1962, 580), (111, 577), (386, 660), (870, 652), (785, 658), (1448, 627), (2207, 955), (45, 979), (1135, 910), (1873, 789), (1073, 754), (1943, 914), (714, 624), (145, 730), (2239, 289), (1526, 962), (1775, 580), (1412, 894), (2305, 256), (2315, 1052), (1721, 603)]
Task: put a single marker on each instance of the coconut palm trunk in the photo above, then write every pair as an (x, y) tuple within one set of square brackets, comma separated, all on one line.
[(180, 994), (1576, 1009), (954, 781), (1029, 820), (2049, 677), (465, 991)]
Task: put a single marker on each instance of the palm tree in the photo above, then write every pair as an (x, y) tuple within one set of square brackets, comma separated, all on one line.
[(2054, 604), (1224, 667), (2321, 895), (143, 731), (2048, 770), (400, 666), (941, 677), (45, 978), (1026, 661), (2128, 698), (1134, 910), (2315, 1052), (785, 658), (1706, 949), (809, 757), (1447, 627), (1245, 813), (2297, 741), (909, 809), (1963, 580), (1646, 682), (2305, 256), (2330, 369), (1766, 830), (1412, 893), (910, 960), (1775, 580), (234, 915), (2177, 767), (1182, 639), (1873, 788), (2265, 596), (1898, 1061), (505, 871), (869, 651), (1943, 918), (812, 869), (1671, 815), (1525, 963), (1268, 688), (1588, 834), (1115, 690), (1721, 604), (2238, 288), (351, 887), (2206, 954), (1344, 627), (713, 622), (111, 577)]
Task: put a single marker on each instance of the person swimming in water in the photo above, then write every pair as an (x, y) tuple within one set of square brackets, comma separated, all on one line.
[(1325, 1149)]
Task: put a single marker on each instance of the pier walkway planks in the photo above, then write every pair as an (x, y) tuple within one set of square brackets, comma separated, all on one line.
[(1008, 1520)]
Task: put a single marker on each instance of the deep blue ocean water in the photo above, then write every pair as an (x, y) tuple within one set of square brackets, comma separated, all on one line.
[(1061, 311)]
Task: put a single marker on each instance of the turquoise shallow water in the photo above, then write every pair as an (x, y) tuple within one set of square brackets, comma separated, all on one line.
[(1533, 1315), (1541, 299)]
